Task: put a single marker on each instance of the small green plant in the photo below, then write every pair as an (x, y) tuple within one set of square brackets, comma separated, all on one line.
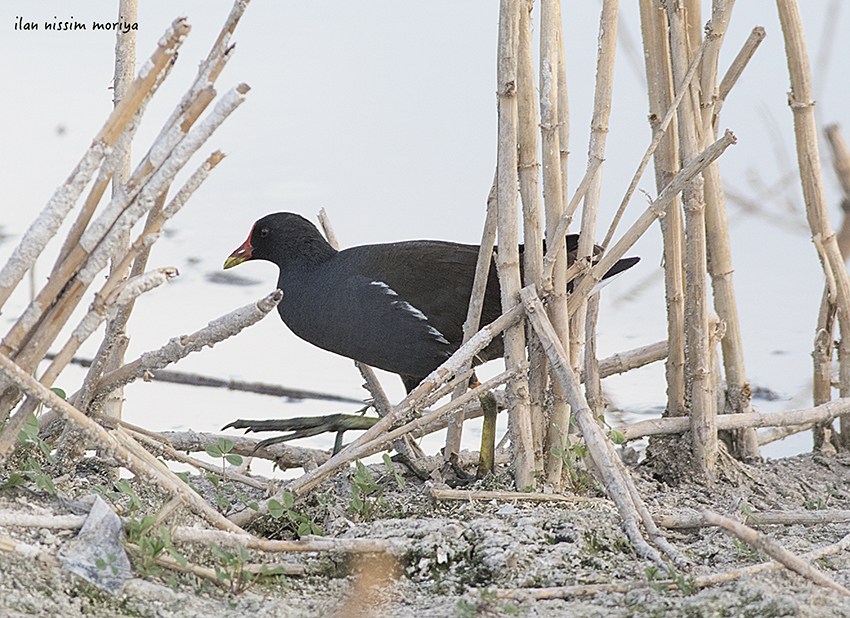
[(615, 436), (222, 450), (745, 552), (687, 585), (651, 573), (30, 469), (487, 604), (302, 523), (366, 494), (820, 504), (123, 489), (747, 510), (571, 454), (109, 563), (399, 479), (232, 569)]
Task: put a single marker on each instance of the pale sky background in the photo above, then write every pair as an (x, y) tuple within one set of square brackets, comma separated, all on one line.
[(384, 114)]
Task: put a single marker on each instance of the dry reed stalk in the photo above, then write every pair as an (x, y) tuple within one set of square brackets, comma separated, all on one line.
[(632, 359), (596, 150), (507, 259), (808, 159), (165, 450), (841, 165), (717, 238), (592, 381), (659, 75), (125, 62), (760, 518), (737, 68), (698, 379), (380, 400), (822, 363), (776, 551), (469, 495), (179, 347), (186, 534), (48, 222), (377, 438), (660, 426), (615, 477), (563, 101), (532, 226), (454, 431), (214, 574), (285, 456), (554, 187)]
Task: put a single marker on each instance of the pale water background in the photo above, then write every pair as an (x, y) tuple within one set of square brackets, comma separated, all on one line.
[(384, 114)]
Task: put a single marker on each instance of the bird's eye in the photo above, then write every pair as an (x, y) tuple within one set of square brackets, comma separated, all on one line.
[(264, 232)]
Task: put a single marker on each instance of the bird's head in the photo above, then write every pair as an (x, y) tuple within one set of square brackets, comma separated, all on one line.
[(282, 238)]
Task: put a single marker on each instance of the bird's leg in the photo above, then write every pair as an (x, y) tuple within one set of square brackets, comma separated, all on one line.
[(488, 434)]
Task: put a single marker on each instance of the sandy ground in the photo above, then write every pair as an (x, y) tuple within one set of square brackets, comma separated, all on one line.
[(456, 553)]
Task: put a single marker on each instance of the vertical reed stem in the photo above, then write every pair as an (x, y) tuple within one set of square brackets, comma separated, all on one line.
[(508, 255), (698, 361)]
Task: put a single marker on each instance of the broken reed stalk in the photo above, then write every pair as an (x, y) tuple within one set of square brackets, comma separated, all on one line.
[(737, 67), (824, 412), (51, 217), (507, 259), (841, 165), (454, 431), (717, 240), (285, 456), (808, 159), (698, 380), (532, 226), (179, 347), (776, 551), (615, 477), (554, 196), (659, 74), (381, 402), (822, 362)]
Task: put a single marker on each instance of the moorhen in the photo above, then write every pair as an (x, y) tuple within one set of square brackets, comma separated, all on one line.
[(397, 306)]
